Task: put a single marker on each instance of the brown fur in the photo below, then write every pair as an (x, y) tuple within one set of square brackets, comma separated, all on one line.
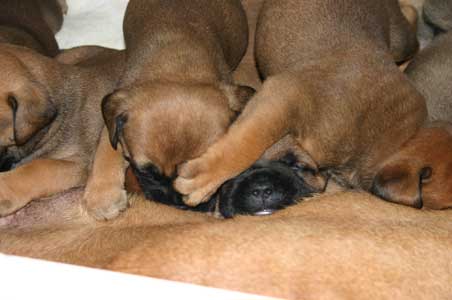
[(420, 174), (348, 107), (176, 96), (341, 246), (32, 23), (50, 121)]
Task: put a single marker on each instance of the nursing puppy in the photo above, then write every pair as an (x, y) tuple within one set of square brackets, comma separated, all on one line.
[(331, 84), (50, 120), (175, 98), (32, 23), (265, 187)]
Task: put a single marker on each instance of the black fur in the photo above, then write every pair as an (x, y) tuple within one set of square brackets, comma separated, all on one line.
[(7, 161), (265, 187), (158, 187)]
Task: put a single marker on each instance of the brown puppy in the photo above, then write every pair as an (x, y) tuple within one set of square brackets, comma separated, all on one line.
[(342, 246), (32, 23), (49, 121), (331, 84), (176, 96), (420, 174), (431, 73)]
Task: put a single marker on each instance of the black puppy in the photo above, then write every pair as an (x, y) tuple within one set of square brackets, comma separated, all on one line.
[(262, 189)]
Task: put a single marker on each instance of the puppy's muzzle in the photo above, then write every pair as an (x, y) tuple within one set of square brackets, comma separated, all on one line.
[(262, 189), (159, 188)]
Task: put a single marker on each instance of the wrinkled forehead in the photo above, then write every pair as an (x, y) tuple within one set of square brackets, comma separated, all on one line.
[(177, 94), (175, 126)]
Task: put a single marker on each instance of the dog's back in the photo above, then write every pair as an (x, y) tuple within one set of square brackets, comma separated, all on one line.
[(204, 25), (353, 25)]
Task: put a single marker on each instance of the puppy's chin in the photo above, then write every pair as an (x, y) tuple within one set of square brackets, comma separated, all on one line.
[(262, 189), (158, 187)]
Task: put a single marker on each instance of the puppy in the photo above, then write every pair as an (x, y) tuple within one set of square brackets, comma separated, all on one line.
[(267, 186), (431, 73), (32, 23), (175, 99), (347, 107), (50, 120)]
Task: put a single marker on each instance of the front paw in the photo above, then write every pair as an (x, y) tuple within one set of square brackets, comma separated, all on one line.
[(10, 202), (105, 203), (198, 180), (8, 207)]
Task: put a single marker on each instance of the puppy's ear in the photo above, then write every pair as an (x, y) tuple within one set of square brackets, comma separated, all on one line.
[(25, 112), (238, 96), (306, 168), (115, 115), (401, 183)]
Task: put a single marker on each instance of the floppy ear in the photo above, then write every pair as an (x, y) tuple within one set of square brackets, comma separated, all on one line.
[(115, 116), (401, 183), (305, 167), (31, 110), (238, 96)]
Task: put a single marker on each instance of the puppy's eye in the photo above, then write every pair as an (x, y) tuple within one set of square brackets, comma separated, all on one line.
[(425, 174), (12, 102)]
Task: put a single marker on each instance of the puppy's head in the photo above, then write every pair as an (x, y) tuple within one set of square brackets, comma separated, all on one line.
[(25, 105), (267, 186), (420, 174), (161, 125)]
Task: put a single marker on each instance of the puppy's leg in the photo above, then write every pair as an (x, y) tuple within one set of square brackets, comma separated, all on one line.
[(105, 196), (265, 120), (37, 179)]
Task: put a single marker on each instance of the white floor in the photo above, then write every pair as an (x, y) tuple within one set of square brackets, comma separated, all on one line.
[(93, 22)]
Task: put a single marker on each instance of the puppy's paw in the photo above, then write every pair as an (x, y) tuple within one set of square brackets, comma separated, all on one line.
[(105, 204), (10, 202), (198, 179), (7, 207)]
